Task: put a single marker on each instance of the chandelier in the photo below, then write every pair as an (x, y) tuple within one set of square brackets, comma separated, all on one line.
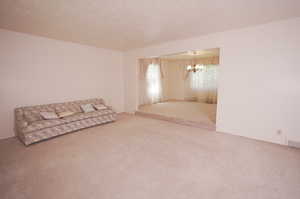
[(194, 68)]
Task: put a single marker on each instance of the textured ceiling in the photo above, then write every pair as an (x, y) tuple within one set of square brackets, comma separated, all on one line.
[(123, 25)]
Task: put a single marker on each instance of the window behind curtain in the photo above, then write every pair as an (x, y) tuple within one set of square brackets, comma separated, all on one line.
[(203, 83), (153, 76)]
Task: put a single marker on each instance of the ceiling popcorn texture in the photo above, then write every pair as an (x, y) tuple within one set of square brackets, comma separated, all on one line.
[(125, 25)]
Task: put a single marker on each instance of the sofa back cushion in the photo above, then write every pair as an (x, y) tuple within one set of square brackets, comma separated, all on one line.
[(32, 113), (32, 116), (67, 107)]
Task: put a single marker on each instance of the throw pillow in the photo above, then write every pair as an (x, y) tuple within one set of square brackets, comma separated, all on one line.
[(86, 108), (48, 115), (65, 114), (100, 106)]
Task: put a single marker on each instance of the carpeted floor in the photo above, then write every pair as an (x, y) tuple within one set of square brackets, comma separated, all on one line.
[(137, 158), (190, 111)]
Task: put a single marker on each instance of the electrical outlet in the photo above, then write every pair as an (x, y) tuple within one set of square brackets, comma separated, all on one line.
[(282, 136), (279, 132)]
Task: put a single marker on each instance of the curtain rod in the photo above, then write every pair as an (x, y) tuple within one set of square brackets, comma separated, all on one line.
[(177, 53)]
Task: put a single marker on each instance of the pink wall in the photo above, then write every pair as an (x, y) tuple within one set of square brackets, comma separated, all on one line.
[(259, 78), (36, 70), (259, 90)]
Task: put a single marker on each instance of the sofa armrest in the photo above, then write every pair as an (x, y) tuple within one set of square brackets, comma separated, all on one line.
[(22, 124), (110, 107), (20, 121)]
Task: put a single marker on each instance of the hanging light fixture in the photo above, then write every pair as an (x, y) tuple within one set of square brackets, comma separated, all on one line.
[(194, 68), (189, 68)]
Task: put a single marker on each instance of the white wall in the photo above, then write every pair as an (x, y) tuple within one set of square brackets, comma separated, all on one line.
[(36, 70), (259, 78)]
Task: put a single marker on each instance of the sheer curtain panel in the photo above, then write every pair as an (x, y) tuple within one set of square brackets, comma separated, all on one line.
[(150, 83)]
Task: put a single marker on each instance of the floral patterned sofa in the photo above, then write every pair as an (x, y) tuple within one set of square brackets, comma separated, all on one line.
[(31, 127)]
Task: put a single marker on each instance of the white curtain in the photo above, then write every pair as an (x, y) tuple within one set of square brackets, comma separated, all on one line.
[(151, 84), (154, 88), (202, 84), (174, 79)]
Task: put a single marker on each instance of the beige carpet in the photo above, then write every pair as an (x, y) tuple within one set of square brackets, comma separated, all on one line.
[(190, 111), (139, 158)]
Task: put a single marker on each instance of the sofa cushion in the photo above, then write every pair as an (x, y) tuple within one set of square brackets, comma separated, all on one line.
[(82, 116), (49, 115), (37, 125), (32, 116), (67, 107), (46, 133), (73, 106)]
